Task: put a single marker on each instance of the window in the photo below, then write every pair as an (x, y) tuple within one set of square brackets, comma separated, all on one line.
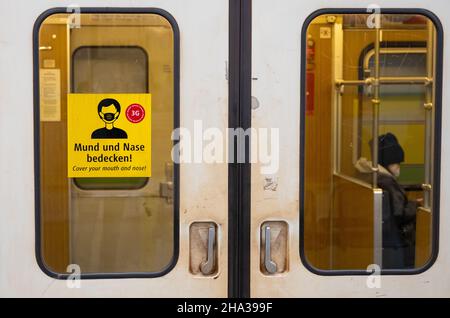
[(371, 131), (122, 222)]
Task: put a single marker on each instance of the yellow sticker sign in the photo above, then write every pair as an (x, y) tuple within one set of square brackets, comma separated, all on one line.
[(109, 135)]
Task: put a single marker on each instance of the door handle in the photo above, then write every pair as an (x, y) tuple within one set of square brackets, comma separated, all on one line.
[(271, 266), (207, 267)]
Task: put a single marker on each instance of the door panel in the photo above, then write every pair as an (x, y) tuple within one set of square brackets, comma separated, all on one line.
[(338, 215), (117, 227)]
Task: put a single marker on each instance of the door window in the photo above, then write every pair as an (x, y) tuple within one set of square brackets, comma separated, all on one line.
[(119, 223), (371, 135)]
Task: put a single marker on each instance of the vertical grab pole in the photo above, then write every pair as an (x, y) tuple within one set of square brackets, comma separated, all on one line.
[(378, 229), (429, 102), (377, 193), (337, 53), (375, 107), (337, 74)]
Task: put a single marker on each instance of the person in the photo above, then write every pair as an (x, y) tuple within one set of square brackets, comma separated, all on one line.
[(109, 111), (399, 213)]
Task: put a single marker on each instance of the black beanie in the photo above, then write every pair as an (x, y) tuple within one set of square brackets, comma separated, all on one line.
[(389, 150)]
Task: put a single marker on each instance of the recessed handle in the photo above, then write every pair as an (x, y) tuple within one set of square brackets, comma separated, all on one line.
[(207, 267), (271, 266)]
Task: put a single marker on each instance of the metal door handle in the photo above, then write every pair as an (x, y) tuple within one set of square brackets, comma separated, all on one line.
[(271, 266), (207, 267)]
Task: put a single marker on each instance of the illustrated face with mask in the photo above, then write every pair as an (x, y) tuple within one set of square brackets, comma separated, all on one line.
[(394, 168), (109, 111), (109, 114)]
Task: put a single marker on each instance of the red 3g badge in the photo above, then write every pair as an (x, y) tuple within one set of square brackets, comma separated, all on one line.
[(135, 113)]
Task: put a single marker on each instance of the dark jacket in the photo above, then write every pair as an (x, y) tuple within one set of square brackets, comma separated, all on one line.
[(399, 218), (402, 212)]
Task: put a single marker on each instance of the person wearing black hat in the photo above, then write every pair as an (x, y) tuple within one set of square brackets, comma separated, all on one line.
[(399, 214), (390, 153)]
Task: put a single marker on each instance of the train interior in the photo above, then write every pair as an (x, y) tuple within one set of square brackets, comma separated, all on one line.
[(366, 78)]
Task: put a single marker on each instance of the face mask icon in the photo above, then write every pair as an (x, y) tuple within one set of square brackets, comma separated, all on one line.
[(109, 111), (109, 117)]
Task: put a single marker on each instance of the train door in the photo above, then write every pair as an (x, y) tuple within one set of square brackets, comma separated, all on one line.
[(115, 205), (354, 207)]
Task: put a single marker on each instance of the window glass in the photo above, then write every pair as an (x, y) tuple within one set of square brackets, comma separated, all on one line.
[(402, 111), (370, 122), (113, 222)]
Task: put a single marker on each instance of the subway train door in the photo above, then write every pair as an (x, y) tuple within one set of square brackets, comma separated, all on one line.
[(352, 208), (115, 206)]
